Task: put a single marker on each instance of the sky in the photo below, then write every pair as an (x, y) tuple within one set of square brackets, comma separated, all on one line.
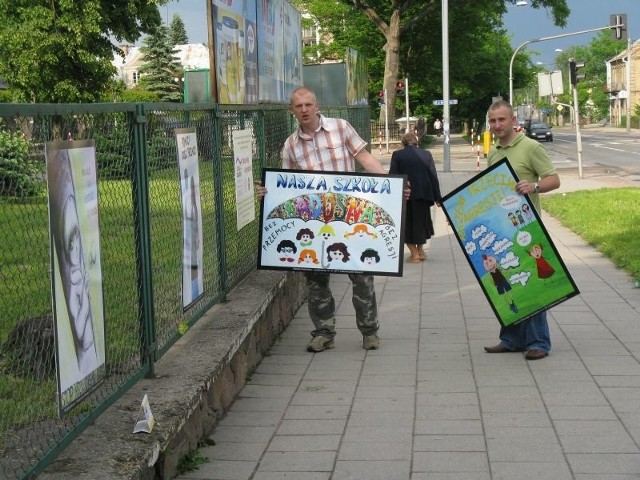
[(523, 23), (526, 23)]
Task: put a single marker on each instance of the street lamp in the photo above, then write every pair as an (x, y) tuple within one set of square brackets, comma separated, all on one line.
[(522, 3)]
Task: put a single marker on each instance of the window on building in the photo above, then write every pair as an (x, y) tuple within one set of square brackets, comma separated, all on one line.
[(134, 78)]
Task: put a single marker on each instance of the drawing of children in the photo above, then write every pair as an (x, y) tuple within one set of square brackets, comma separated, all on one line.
[(490, 264), (338, 251), (545, 270)]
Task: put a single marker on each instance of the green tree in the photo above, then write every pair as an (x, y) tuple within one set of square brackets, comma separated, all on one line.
[(177, 31), (398, 24), (160, 68), (62, 51)]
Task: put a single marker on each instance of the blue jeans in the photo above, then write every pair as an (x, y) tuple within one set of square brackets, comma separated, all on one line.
[(531, 334)]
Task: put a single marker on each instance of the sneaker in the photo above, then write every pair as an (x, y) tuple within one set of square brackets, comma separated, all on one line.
[(371, 342), (320, 343)]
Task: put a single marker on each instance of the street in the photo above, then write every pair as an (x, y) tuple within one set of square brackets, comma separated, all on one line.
[(606, 149)]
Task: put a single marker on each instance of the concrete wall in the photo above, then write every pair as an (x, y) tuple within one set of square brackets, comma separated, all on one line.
[(196, 381)]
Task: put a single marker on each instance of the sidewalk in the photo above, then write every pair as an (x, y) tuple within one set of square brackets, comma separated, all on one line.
[(431, 404)]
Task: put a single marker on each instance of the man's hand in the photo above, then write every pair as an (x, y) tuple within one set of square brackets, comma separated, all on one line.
[(407, 191), (260, 190)]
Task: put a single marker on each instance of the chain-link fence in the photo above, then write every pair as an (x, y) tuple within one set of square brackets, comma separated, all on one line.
[(140, 248)]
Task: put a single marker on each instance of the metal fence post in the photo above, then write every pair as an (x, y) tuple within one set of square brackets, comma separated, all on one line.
[(140, 181)]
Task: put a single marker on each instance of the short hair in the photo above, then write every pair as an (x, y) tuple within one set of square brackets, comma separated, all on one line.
[(303, 90), (501, 103), (409, 139)]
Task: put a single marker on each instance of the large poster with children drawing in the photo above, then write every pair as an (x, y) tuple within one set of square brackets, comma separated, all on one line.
[(336, 222), (507, 246)]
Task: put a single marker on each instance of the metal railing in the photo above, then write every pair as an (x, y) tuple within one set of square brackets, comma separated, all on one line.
[(140, 244)]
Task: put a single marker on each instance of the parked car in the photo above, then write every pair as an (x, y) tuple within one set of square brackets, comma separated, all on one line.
[(539, 131)]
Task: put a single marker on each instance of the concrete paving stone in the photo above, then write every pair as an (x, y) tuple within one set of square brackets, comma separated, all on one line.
[(377, 434), (325, 426), (378, 380), (295, 348), (447, 412), (268, 379), (449, 348), (280, 369), (581, 412), (504, 382), (297, 462), (449, 443), (448, 427), (403, 332), (624, 400), (560, 376), (259, 404), (384, 451), (374, 418), (298, 359), (520, 419), (462, 363), (531, 471), (321, 398), (268, 391), (595, 347), (304, 443), (612, 365), (514, 400), (607, 476), (302, 412), (428, 339), (576, 318), (404, 393), (450, 462), (380, 360), (594, 437), (383, 405), (455, 384), (249, 434), (575, 399), (631, 381), (604, 463), (368, 470), (446, 398), (407, 368), (569, 387), (222, 470), (394, 347), (451, 476), (291, 476), (314, 374), (328, 386), (587, 331), (246, 418), (517, 444), (240, 451)]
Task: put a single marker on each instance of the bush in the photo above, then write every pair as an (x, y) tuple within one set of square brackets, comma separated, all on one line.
[(20, 175)]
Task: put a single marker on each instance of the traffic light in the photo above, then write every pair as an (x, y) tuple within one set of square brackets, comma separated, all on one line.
[(618, 23), (574, 76), (380, 98), (400, 89)]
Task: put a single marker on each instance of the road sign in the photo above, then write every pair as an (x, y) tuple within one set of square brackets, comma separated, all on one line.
[(452, 101)]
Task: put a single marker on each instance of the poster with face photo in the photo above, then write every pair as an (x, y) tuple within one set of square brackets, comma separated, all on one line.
[(76, 271), (331, 221), (507, 246)]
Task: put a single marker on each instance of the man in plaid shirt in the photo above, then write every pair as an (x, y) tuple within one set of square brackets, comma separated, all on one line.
[(331, 144)]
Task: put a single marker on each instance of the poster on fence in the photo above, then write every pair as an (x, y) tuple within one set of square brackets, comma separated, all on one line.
[(191, 215), (331, 221), (243, 174), (507, 246), (76, 270)]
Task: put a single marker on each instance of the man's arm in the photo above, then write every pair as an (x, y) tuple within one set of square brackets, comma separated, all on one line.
[(545, 184), (370, 163)]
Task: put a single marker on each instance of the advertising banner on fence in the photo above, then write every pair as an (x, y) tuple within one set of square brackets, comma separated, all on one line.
[(337, 222), (191, 215), (243, 174), (76, 270), (510, 252)]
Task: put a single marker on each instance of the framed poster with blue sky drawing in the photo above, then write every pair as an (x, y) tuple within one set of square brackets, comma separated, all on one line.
[(332, 221), (507, 246)]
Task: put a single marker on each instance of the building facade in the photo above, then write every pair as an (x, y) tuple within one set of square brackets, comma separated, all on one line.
[(623, 82)]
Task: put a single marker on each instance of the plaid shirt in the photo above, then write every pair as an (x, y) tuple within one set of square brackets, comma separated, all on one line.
[(332, 147)]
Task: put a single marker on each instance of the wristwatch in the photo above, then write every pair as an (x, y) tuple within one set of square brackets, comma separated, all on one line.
[(536, 187)]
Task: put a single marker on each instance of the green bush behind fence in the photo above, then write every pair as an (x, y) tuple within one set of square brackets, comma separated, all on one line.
[(141, 248)]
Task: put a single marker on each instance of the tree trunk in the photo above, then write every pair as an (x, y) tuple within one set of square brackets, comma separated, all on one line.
[(391, 65)]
